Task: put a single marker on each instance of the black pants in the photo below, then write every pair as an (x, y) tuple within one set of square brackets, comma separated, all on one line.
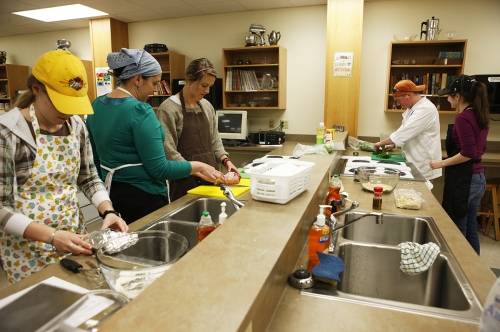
[(133, 203)]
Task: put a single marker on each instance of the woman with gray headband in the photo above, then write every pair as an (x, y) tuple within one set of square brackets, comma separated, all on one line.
[(127, 139), (190, 125)]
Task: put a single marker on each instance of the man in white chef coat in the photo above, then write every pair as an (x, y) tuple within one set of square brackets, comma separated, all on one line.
[(419, 133)]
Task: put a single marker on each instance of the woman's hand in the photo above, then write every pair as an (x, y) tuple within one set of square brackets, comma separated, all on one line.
[(205, 171), (65, 241), (435, 164), (231, 168), (114, 222)]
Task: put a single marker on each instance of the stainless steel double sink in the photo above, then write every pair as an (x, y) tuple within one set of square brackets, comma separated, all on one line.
[(372, 275), (185, 219)]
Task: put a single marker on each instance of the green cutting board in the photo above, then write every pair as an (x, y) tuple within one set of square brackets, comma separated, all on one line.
[(392, 157)]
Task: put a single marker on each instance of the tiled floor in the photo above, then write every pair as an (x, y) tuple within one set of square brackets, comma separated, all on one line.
[(490, 251)]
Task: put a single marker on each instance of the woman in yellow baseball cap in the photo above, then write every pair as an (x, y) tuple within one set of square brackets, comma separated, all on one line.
[(46, 157)]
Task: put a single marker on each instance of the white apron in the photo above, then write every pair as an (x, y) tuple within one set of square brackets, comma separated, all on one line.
[(48, 197), (111, 171)]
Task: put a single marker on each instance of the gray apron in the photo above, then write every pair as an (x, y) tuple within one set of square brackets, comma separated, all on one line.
[(194, 145)]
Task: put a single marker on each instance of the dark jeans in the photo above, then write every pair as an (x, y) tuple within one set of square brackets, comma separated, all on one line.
[(468, 224), (133, 203)]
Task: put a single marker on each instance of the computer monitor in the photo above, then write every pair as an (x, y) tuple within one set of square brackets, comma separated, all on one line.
[(492, 82), (232, 125)]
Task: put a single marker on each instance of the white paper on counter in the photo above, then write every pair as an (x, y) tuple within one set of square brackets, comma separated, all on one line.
[(92, 306)]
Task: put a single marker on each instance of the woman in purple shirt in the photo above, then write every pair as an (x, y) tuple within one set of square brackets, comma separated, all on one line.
[(464, 182)]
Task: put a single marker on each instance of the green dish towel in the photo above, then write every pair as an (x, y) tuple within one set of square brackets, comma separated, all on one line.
[(399, 157)]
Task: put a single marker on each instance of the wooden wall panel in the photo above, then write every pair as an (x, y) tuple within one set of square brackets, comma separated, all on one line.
[(344, 34)]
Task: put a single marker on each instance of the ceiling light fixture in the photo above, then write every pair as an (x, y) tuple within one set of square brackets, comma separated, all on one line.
[(61, 13)]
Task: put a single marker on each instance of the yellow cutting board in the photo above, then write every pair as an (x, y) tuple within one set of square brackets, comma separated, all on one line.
[(214, 191)]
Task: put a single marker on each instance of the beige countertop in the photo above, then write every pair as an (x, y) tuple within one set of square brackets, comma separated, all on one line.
[(235, 280)]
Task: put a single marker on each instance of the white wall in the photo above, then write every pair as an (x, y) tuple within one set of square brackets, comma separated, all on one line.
[(303, 32), (25, 49), (477, 21)]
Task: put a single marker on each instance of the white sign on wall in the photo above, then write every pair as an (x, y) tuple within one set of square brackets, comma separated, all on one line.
[(342, 64), (103, 81)]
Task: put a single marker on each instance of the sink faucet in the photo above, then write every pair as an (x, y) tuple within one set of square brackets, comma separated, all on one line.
[(230, 196), (334, 228)]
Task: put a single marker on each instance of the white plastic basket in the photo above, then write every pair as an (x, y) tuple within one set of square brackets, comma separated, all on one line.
[(279, 181)]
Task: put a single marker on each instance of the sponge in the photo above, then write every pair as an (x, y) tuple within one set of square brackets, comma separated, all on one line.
[(329, 268)]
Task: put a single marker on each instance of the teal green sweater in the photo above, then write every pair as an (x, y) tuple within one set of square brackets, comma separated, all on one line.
[(126, 131)]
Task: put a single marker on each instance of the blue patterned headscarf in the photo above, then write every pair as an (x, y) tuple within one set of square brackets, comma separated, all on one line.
[(134, 62)]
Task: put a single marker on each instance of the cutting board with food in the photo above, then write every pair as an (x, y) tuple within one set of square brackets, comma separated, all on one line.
[(215, 191)]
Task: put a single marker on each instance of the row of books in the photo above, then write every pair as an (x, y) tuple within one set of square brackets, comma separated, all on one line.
[(450, 55), (164, 88), (433, 81), (241, 80)]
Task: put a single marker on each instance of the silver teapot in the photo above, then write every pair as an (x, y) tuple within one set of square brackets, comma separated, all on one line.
[(274, 37)]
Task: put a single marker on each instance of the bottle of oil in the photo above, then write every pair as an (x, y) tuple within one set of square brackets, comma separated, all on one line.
[(206, 225), (318, 239), (320, 133)]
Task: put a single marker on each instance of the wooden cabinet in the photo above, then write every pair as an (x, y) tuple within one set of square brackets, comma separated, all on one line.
[(173, 67), (12, 79), (254, 78), (433, 63)]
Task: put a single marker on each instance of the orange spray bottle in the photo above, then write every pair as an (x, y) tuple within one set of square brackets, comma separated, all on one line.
[(319, 238)]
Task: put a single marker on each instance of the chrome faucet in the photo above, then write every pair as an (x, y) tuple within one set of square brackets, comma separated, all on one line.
[(334, 228), (230, 196)]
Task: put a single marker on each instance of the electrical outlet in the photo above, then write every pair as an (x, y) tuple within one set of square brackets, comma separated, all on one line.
[(271, 123), (284, 124)]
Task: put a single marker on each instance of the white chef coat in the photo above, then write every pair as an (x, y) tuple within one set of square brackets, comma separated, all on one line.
[(419, 137)]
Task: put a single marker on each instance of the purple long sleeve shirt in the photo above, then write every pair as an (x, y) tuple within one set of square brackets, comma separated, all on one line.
[(470, 138)]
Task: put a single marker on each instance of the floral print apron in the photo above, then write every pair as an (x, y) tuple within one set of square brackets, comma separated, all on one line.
[(49, 197)]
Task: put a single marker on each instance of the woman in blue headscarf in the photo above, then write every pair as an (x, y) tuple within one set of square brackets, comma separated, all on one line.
[(127, 139)]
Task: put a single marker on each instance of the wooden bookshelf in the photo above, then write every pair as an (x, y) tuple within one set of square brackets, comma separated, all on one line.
[(12, 79), (244, 70), (173, 66), (432, 63)]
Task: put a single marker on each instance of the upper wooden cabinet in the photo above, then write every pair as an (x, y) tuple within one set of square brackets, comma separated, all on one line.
[(254, 78), (173, 67), (12, 79), (433, 63)]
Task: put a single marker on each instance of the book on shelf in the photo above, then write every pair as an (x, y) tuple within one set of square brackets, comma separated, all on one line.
[(433, 81), (166, 87), (241, 80)]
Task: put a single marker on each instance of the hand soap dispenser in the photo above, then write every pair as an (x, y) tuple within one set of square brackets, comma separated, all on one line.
[(206, 225), (319, 238), (222, 215)]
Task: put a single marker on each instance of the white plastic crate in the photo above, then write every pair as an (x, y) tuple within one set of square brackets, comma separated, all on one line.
[(279, 181)]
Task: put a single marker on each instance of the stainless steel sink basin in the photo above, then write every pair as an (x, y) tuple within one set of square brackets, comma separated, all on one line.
[(185, 220), (192, 211), (188, 229), (374, 272), (372, 275), (393, 230)]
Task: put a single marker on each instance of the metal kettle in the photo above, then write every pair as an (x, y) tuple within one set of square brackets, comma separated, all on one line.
[(429, 30), (274, 37)]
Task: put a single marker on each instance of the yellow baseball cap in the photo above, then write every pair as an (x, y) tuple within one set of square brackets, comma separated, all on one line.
[(65, 79)]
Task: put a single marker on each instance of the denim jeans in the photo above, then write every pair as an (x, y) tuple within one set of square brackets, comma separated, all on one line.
[(468, 224)]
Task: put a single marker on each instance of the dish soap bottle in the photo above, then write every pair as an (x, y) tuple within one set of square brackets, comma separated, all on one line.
[(318, 239), (334, 189), (206, 225), (320, 133), (223, 214)]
